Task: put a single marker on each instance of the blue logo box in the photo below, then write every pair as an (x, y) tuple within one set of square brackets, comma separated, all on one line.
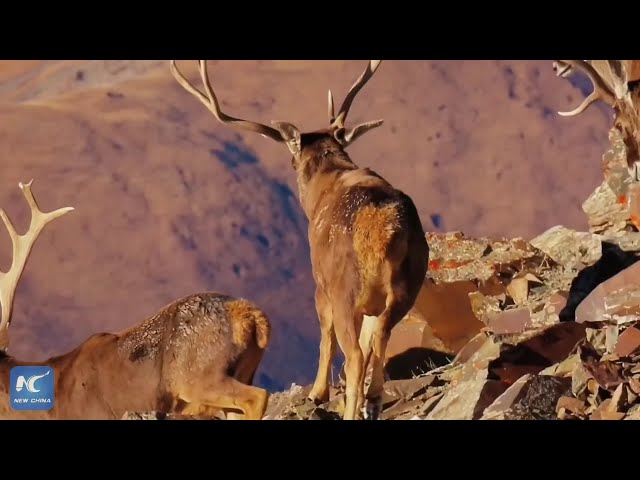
[(32, 388)]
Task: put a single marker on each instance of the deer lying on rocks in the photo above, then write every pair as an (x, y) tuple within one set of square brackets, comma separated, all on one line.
[(617, 84), (196, 356), (369, 252)]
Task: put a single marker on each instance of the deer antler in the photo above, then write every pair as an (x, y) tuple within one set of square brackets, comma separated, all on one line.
[(601, 90), (211, 102), (22, 245), (339, 121)]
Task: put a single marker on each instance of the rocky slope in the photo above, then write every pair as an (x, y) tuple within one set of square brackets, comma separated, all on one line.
[(561, 326), (168, 202), (559, 335)]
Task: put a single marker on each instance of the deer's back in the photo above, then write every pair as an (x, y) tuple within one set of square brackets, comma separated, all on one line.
[(366, 216), (204, 330)]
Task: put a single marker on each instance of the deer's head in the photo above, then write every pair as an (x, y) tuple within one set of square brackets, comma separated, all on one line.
[(309, 149)]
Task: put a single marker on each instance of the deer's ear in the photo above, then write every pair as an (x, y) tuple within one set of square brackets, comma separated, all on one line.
[(291, 136)]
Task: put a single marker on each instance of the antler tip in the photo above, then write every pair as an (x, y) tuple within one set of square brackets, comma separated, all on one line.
[(331, 107), (25, 185)]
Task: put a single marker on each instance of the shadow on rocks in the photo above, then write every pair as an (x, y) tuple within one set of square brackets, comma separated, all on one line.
[(613, 261), (415, 361)]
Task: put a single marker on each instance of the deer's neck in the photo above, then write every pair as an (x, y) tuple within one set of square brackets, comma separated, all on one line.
[(318, 177)]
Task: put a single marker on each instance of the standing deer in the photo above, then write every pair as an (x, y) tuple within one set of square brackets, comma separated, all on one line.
[(369, 252), (617, 83), (196, 356)]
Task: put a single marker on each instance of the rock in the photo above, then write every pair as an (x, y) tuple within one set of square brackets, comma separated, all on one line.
[(336, 403), (625, 241), (564, 368), (606, 373), (413, 331), (549, 313), (529, 398), (606, 212), (454, 257), (406, 398), (518, 288), (540, 399), (396, 390), (143, 416), (571, 405), (515, 320), (484, 307), (613, 261), (607, 208), (634, 204), (604, 415), (289, 404), (634, 414), (491, 287), (568, 247), (544, 349), (322, 414), (165, 416), (504, 402), (628, 342), (467, 399), (471, 347), (447, 310), (477, 361), (414, 348), (610, 409), (616, 299)]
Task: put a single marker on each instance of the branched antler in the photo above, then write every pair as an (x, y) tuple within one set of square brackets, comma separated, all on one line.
[(22, 245), (211, 102), (353, 91), (601, 91), (337, 122), (345, 136)]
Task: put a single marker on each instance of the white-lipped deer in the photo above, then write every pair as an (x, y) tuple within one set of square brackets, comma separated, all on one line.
[(196, 356), (369, 253)]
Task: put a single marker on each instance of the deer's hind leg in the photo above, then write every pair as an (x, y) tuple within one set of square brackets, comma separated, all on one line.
[(227, 394), (397, 305), (245, 373), (320, 390), (348, 325), (365, 340)]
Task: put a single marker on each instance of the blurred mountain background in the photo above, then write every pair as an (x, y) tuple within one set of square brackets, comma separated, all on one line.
[(170, 202)]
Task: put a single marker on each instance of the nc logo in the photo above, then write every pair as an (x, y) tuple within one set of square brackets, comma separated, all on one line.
[(32, 388), (30, 384)]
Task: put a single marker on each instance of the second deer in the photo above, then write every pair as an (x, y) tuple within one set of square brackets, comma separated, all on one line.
[(196, 356), (369, 253)]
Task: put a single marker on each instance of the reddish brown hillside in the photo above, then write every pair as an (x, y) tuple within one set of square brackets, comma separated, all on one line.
[(169, 202)]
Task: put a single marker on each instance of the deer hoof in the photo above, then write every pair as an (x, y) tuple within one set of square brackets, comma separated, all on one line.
[(374, 408)]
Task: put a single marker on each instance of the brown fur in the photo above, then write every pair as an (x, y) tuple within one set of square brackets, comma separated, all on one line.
[(253, 327), (369, 256), (369, 253), (196, 355)]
